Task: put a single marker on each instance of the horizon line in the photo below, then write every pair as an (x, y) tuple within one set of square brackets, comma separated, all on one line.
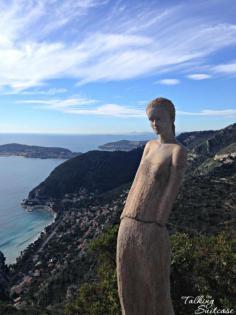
[(101, 134)]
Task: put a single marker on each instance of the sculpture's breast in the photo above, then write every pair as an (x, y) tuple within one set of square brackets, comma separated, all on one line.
[(153, 170)]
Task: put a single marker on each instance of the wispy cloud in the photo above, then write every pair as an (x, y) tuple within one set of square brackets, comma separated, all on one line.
[(87, 106), (52, 91), (228, 68), (110, 110), (44, 40), (168, 81), (59, 104), (199, 76), (79, 106), (210, 112)]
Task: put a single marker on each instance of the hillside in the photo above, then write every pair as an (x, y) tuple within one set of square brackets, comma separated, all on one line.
[(89, 199), (101, 171), (122, 145), (94, 171), (3, 278)]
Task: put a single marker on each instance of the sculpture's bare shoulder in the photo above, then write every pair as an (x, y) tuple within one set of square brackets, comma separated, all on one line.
[(176, 152), (147, 148), (179, 155)]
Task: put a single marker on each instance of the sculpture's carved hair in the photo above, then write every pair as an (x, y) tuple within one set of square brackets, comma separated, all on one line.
[(164, 103)]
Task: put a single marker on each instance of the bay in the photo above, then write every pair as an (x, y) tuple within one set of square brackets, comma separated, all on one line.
[(75, 143), (19, 175), (18, 227)]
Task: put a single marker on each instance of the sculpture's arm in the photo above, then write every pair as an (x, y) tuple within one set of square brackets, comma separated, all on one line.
[(146, 150), (178, 167)]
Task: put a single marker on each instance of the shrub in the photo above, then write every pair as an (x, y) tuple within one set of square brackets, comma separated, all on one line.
[(200, 265)]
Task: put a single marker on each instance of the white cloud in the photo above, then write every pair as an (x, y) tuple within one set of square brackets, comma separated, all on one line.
[(210, 112), (76, 106), (44, 40), (51, 91), (199, 76), (85, 106), (229, 68), (110, 110), (59, 104), (168, 81)]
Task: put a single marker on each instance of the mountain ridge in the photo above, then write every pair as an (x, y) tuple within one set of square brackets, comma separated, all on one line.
[(102, 170)]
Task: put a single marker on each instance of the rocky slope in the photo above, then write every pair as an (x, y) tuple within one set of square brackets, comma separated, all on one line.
[(4, 280)]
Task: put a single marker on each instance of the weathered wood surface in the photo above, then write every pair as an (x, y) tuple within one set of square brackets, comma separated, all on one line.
[(143, 268)]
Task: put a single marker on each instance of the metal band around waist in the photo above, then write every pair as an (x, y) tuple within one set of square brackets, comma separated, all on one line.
[(137, 219)]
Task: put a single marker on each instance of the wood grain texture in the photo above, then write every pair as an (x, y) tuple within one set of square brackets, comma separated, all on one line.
[(143, 268)]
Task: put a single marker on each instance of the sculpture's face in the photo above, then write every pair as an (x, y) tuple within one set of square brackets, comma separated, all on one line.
[(160, 119)]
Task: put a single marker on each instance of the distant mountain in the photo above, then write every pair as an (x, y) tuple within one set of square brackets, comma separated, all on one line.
[(122, 145), (100, 171), (194, 138), (32, 151), (189, 139), (218, 141), (206, 142)]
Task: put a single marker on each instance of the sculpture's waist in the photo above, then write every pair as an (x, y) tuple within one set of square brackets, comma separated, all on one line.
[(142, 220)]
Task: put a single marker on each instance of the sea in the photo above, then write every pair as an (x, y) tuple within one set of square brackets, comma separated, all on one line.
[(19, 175)]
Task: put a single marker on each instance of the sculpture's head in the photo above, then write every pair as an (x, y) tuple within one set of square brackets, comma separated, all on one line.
[(161, 113)]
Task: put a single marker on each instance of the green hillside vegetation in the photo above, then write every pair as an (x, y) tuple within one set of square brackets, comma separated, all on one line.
[(8, 309), (228, 149), (194, 138), (95, 170), (200, 265), (218, 141), (82, 277)]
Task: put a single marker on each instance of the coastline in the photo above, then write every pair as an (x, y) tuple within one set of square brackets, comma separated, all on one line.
[(19, 228), (34, 239)]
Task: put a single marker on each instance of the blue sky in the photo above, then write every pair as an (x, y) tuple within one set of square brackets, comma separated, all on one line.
[(91, 66)]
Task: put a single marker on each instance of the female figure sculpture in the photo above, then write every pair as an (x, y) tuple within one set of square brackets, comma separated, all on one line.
[(143, 246)]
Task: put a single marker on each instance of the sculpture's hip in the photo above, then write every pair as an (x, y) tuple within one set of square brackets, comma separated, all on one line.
[(143, 268)]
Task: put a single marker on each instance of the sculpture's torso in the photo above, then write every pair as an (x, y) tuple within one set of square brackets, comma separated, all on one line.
[(149, 183)]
